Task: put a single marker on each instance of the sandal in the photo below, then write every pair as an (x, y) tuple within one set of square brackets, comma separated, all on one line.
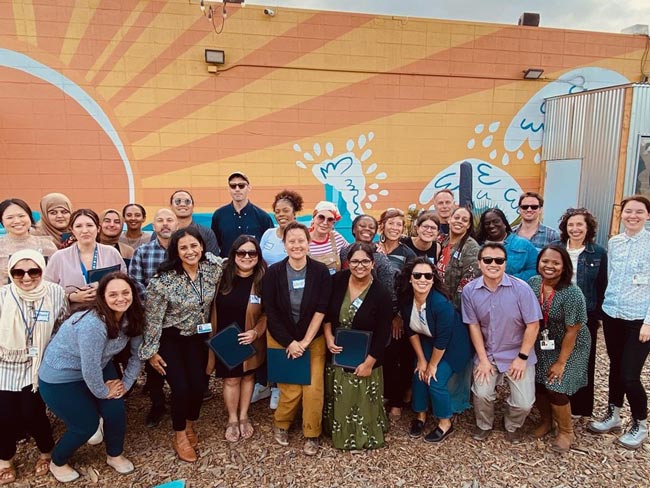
[(42, 466), (232, 432), (7, 475), (246, 428)]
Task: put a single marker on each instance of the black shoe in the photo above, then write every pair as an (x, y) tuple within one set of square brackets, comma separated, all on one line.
[(417, 429), (155, 415), (437, 435)]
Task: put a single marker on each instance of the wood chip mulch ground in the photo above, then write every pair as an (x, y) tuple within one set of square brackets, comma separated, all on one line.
[(460, 462)]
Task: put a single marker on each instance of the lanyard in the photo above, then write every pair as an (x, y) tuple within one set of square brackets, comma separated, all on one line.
[(29, 331), (84, 271), (199, 290), (545, 304)]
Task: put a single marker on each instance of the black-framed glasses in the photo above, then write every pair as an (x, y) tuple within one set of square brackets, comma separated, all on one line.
[(241, 186), (490, 260), (33, 273), (360, 262), (184, 201), (531, 207), (419, 276), (243, 254)]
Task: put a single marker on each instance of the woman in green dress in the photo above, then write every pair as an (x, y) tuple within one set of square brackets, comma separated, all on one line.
[(563, 344), (354, 413)]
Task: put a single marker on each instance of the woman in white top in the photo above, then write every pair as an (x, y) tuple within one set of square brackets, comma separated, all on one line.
[(30, 307)]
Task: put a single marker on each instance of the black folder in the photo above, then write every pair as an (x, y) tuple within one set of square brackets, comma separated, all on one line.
[(94, 275), (355, 344), (282, 369), (227, 348)]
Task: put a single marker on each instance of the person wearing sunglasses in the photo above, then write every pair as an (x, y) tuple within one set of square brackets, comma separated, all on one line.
[(358, 302), (17, 220), (240, 216), (563, 345), (458, 262), (493, 226), (441, 380), (425, 241), (531, 228), (23, 339), (503, 315), (56, 209), (182, 204), (239, 300), (589, 260), (325, 243)]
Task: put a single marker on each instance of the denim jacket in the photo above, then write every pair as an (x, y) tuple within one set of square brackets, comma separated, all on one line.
[(591, 276), (522, 257)]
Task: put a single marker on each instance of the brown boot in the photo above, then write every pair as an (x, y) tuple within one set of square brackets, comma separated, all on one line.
[(562, 415), (545, 424), (192, 436), (183, 448)]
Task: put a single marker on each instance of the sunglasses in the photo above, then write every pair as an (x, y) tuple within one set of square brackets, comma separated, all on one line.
[(185, 201), (243, 254), (360, 262), (489, 260), (32, 272), (426, 276), (527, 207), (241, 186), (322, 218)]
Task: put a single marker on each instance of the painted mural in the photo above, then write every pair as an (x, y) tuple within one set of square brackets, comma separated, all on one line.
[(112, 102)]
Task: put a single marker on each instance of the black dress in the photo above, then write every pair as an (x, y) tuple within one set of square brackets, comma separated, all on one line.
[(232, 308)]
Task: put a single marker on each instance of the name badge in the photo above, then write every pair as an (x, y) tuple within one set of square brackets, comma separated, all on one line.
[(298, 284), (332, 271), (268, 246), (203, 328), (32, 352), (43, 316), (640, 280), (255, 299), (357, 303), (547, 345)]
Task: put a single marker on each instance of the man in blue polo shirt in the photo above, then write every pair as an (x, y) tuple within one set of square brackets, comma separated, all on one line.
[(240, 216)]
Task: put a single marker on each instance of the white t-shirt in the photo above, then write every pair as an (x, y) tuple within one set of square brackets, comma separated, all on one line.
[(574, 254), (418, 322)]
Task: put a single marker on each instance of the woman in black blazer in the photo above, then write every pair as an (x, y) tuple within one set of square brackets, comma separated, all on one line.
[(295, 294), (361, 303)]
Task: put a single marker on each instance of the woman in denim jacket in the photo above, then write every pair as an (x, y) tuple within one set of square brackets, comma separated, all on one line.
[(577, 231)]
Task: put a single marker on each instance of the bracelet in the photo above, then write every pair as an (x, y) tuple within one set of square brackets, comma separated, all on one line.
[(523, 356)]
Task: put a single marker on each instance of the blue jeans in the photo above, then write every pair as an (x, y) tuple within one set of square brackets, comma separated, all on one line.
[(436, 393), (80, 410)]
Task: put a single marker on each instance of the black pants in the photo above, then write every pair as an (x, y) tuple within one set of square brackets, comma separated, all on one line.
[(186, 358), (398, 370), (582, 402), (23, 411), (154, 385), (627, 356)]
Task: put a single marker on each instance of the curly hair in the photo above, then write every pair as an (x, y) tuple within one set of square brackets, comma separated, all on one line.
[(481, 235), (294, 199), (592, 224)]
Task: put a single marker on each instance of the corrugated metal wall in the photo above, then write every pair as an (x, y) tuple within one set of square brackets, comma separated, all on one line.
[(639, 126), (587, 126)]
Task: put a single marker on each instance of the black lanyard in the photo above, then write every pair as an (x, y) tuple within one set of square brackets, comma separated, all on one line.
[(29, 331), (199, 290)]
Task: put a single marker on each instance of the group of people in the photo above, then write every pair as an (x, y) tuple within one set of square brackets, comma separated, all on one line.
[(449, 313)]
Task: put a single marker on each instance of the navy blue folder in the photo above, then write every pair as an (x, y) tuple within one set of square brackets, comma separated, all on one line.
[(94, 275), (227, 348), (355, 344), (282, 369)]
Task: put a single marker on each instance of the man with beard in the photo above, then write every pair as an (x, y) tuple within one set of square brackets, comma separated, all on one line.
[(144, 265)]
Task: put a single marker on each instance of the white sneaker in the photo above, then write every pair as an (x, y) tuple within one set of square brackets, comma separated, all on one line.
[(260, 392), (98, 436), (611, 422), (120, 464), (275, 398), (635, 436)]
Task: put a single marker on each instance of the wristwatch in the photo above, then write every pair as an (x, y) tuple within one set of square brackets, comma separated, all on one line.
[(523, 356)]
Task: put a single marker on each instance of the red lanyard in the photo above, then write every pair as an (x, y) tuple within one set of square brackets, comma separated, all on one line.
[(545, 304)]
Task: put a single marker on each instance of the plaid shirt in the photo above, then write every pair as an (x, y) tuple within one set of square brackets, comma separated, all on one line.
[(145, 262), (544, 236)]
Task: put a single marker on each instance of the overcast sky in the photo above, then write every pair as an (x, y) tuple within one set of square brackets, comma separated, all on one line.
[(594, 15)]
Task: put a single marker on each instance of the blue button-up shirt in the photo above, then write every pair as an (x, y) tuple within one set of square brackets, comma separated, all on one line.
[(627, 295), (228, 224), (502, 315)]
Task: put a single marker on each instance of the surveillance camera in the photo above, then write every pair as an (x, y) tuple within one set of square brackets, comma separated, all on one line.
[(269, 12)]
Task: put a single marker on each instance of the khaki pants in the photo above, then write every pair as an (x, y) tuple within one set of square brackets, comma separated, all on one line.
[(519, 403), (310, 395)]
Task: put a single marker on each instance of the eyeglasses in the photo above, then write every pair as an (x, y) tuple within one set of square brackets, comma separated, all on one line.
[(243, 254), (419, 276), (322, 218), (185, 201), (32, 272), (241, 186), (431, 228), (360, 262), (531, 207), (489, 260)]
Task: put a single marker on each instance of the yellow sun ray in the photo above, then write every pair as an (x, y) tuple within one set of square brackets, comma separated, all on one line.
[(79, 21), (25, 18)]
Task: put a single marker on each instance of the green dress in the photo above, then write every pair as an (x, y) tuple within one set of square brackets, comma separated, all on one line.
[(354, 414), (568, 308)]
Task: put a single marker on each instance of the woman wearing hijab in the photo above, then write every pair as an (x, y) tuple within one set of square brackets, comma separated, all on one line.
[(56, 210), (30, 307), (110, 230)]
